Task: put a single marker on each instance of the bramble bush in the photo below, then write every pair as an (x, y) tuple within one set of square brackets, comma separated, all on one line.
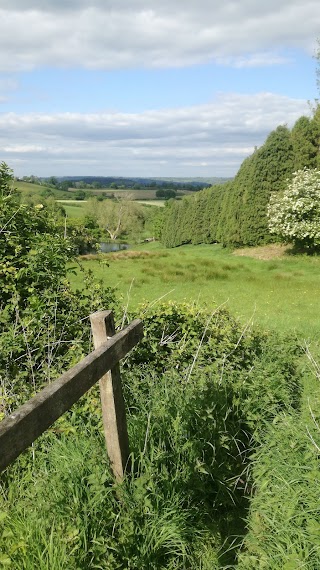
[(294, 215)]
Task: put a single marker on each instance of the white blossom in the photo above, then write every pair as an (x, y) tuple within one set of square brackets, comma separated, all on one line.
[(294, 215)]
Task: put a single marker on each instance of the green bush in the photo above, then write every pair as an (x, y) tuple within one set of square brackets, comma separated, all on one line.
[(44, 325)]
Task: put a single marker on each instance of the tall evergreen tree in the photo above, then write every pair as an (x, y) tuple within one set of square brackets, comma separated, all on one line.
[(305, 137)]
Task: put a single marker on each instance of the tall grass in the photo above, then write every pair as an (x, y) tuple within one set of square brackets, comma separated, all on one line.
[(282, 293), (215, 423), (284, 523), (199, 392)]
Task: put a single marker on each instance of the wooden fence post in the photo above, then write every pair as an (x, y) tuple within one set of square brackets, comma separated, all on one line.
[(25, 424), (112, 402)]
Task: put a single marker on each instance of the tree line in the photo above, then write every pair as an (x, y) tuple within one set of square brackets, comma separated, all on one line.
[(235, 213)]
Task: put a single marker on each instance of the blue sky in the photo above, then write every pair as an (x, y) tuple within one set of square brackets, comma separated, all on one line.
[(143, 88)]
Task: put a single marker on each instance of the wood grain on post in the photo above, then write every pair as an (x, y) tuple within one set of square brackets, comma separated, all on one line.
[(24, 425), (112, 402)]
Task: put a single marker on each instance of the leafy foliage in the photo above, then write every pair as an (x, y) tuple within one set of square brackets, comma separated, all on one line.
[(117, 217), (43, 322)]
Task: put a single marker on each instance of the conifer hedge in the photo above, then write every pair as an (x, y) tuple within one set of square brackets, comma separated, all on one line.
[(235, 213)]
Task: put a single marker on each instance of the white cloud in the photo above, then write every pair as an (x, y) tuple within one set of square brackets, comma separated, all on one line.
[(213, 138), (262, 59), (122, 34)]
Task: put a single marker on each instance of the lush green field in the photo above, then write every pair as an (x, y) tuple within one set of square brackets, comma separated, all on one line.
[(135, 194), (29, 188), (152, 202), (280, 294), (74, 208), (37, 191)]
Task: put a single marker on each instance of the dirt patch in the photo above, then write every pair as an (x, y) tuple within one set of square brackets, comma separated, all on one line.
[(265, 252)]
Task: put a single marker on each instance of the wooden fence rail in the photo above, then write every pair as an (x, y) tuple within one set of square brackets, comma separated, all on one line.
[(23, 426)]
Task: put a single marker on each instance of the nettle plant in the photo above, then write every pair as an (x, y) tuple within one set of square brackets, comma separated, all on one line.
[(294, 215)]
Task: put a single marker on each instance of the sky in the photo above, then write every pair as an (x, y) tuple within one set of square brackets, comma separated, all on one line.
[(179, 88)]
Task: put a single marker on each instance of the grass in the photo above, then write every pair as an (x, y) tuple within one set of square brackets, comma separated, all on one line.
[(160, 203), (78, 209), (59, 507), (28, 189), (75, 210), (62, 510), (281, 293)]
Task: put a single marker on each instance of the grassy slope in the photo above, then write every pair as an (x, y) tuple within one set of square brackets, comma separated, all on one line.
[(75, 210), (29, 190), (279, 294)]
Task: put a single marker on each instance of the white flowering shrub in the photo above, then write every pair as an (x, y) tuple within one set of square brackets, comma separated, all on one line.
[(294, 215)]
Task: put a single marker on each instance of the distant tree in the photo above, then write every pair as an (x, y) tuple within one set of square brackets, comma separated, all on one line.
[(34, 179), (294, 215), (170, 193), (52, 181), (80, 195), (65, 185), (84, 233), (46, 193), (80, 184), (166, 193), (117, 217)]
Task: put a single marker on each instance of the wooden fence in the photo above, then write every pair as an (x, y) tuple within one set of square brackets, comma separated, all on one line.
[(23, 426)]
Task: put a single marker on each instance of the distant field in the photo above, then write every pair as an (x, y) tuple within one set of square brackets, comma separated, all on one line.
[(279, 294), (152, 202), (73, 208), (28, 187), (135, 194), (147, 196), (35, 190), (79, 202)]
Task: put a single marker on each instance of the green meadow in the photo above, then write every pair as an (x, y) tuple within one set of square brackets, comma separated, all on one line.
[(281, 293), (74, 208)]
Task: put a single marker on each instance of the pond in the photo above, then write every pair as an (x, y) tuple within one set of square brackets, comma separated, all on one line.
[(107, 247)]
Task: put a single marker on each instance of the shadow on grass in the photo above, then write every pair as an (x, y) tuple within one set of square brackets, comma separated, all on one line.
[(298, 249), (232, 528)]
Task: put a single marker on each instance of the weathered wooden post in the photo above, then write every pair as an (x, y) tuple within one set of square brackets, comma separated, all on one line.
[(112, 402)]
